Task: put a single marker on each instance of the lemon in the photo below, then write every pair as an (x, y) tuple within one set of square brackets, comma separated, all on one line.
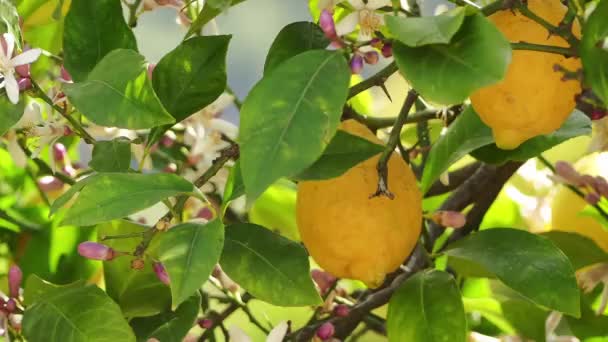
[(532, 99), (566, 205), (352, 235)]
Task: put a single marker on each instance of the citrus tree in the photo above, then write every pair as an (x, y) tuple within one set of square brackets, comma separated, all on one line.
[(450, 194)]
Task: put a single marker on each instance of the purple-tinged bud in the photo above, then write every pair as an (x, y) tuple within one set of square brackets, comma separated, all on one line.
[(324, 280), (59, 152), (376, 43), (356, 64), (15, 276), (371, 57), (65, 75), (341, 310), (167, 140), (597, 114), (24, 84), (326, 22), (592, 198), (567, 172), (601, 186), (326, 331), (49, 183), (151, 68), (587, 180), (23, 70), (447, 218), (137, 264), (11, 305), (96, 251), (205, 323), (69, 170), (387, 50), (161, 273), (205, 213)]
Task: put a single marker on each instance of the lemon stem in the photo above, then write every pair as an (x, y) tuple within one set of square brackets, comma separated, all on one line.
[(376, 80)]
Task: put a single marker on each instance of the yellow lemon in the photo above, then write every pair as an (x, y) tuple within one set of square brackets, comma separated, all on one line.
[(532, 99), (352, 235), (567, 205)]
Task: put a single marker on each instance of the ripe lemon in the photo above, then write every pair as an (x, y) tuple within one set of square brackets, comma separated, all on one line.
[(532, 99), (352, 235), (566, 205)]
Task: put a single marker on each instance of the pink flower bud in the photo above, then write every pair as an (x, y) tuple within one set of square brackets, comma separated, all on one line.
[(65, 75), (597, 114), (371, 57), (15, 276), (376, 43), (69, 170), (96, 251), (356, 64), (167, 140), (326, 22), (387, 50), (592, 198), (587, 180), (205, 213), (446, 218), (205, 323), (567, 172), (601, 186), (24, 84), (49, 183), (67, 131), (323, 280), (326, 331), (151, 68), (341, 310), (161, 273), (23, 70), (170, 168), (11, 305), (59, 152)]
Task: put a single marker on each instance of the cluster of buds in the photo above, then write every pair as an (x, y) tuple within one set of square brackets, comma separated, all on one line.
[(594, 188), (11, 308)]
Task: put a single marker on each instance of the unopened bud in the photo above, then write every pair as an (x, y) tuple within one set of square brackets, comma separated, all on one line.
[(387, 50), (67, 131), (356, 64), (371, 57), (326, 22), (170, 168), (59, 152), (96, 251), (324, 280), (376, 43), (597, 114), (161, 273), (49, 183), (69, 170), (23, 70), (168, 139), (587, 181), (15, 276), (326, 331), (341, 310), (205, 213), (24, 84), (567, 172), (447, 218), (592, 198), (137, 264), (205, 323), (11, 305), (150, 70)]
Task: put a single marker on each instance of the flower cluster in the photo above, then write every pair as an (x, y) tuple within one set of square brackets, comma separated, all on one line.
[(11, 64), (11, 308), (594, 188)]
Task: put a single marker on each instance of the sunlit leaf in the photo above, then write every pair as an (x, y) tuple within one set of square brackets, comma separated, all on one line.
[(594, 54), (418, 31)]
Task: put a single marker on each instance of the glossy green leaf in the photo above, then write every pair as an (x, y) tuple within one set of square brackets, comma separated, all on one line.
[(168, 326), (9, 113), (282, 137), (427, 308), (577, 124), (92, 30), (108, 196), (269, 266), (527, 263), (275, 209), (527, 318), (9, 21), (74, 315), (111, 156), (206, 15), (294, 39), (467, 133), (593, 56), (581, 250), (343, 152), (137, 292), (118, 93), (477, 56), (234, 186), (192, 76), (36, 287), (418, 31), (189, 252)]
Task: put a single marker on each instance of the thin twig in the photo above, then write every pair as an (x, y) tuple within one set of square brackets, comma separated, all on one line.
[(375, 80), (379, 122), (568, 52), (133, 13)]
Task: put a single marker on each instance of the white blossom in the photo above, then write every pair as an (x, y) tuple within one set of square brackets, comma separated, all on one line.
[(366, 16), (277, 334), (8, 64)]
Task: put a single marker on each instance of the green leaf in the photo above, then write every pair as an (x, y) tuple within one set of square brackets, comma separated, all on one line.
[(118, 93), (294, 39), (36, 287), (581, 250), (427, 308), (467, 133), (189, 252), (10, 113), (76, 314), (593, 56), (9, 22), (92, 30), (343, 152), (284, 136), (269, 266), (168, 326), (206, 15), (108, 196), (192, 76), (234, 186), (477, 56), (111, 156), (137, 292), (418, 31), (527, 263), (576, 125), (219, 4)]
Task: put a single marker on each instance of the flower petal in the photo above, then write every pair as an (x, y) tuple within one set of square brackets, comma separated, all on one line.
[(348, 24), (12, 88), (10, 44), (238, 335), (375, 4), (357, 4), (17, 154), (26, 57), (278, 333)]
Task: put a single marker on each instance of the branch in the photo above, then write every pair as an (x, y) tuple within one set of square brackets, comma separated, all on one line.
[(562, 31), (393, 140), (375, 80), (456, 179), (378, 122), (568, 52), (495, 7)]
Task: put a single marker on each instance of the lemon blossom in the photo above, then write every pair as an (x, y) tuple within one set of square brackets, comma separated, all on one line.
[(275, 335), (364, 15), (8, 64)]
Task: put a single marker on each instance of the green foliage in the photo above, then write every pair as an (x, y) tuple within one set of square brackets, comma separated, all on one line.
[(421, 31), (9, 114), (594, 57), (581, 250), (272, 268), (111, 156), (10, 20), (207, 14)]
